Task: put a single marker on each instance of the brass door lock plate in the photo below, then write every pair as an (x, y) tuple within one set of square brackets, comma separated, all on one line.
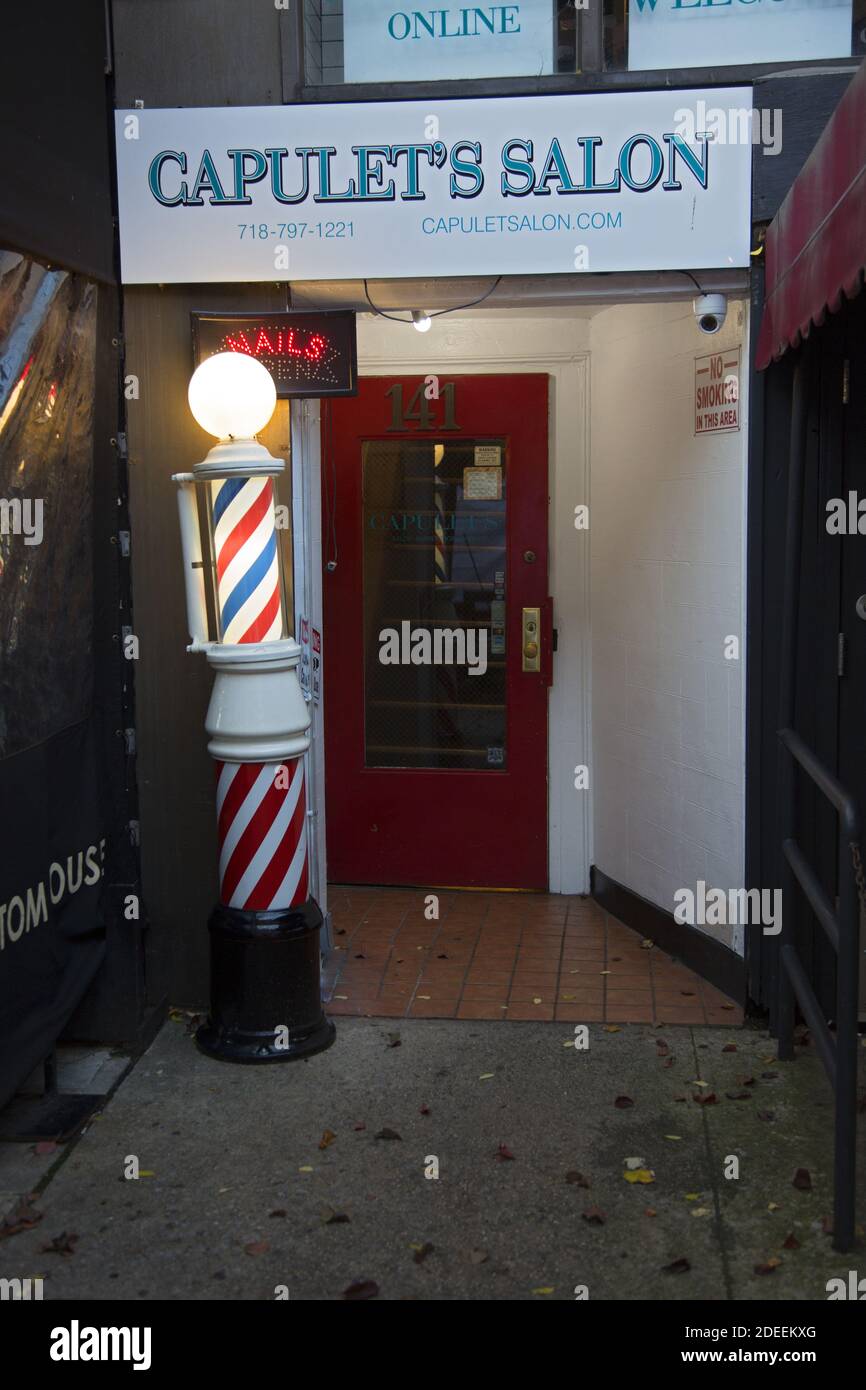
[(531, 643)]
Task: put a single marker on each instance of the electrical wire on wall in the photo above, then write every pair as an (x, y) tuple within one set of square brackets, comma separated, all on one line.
[(435, 313)]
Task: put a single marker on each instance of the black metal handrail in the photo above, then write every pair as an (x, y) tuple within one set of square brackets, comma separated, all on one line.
[(842, 927)]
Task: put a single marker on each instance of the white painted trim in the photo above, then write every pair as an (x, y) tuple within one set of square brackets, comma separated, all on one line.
[(307, 565)]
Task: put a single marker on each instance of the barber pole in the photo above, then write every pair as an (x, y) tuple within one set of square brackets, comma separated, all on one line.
[(265, 962)]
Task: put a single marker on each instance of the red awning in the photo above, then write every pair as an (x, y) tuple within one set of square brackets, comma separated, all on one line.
[(816, 243)]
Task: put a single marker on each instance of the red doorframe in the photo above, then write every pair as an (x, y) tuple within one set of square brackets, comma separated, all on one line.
[(471, 828)]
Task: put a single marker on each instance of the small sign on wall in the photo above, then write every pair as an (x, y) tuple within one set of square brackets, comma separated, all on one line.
[(482, 484), (304, 663), (317, 664), (717, 392)]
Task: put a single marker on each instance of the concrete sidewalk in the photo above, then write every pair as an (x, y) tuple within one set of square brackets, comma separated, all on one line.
[(241, 1197)]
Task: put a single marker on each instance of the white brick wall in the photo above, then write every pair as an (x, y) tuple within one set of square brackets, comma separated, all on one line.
[(667, 548)]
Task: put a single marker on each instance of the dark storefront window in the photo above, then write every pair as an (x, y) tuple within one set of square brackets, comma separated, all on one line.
[(434, 563), (48, 338)]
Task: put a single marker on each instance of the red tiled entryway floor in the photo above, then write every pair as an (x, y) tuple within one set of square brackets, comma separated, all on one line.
[(504, 956)]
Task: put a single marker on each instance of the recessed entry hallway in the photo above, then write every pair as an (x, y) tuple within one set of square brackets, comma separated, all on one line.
[(504, 956)]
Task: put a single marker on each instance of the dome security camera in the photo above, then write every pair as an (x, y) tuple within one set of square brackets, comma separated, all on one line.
[(710, 311)]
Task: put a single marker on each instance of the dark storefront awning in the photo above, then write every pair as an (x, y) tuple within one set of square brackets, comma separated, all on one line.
[(816, 244)]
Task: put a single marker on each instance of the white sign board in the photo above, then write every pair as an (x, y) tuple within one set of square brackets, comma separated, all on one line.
[(517, 185), (669, 34), (717, 392), (384, 43)]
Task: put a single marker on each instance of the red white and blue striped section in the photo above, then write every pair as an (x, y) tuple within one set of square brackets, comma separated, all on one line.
[(262, 820), (248, 575)]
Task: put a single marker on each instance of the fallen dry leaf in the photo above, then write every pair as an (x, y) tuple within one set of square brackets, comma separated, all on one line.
[(503, 1153), (708, 1099), (422, 1251), (662, 1048), (642, 1175), (594, 1216), (424, 1109), (327, 1139), (361, 1288), (738, 1095), (730, 1047), (802, 1180), (701, 1211), (790, 1242), (547, 1289), (394, 1039), (22, 1217), (257, 1247), (680, 1266), (623, 1102), (611, 1028), (359, 1126), (45, 1146), (64, 1244), (387, 1134), (577, 1179), (769, 1267), (278, 1211), (478, 1257), (329, 1217), (650, 1211), (766, 1114), (486, 1076)]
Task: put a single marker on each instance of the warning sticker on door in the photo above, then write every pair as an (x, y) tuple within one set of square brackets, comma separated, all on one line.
[(488, 455), (717, 392), (482, 484)]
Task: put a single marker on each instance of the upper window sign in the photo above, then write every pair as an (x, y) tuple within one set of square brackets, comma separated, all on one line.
[(684, 33), (383, 42)]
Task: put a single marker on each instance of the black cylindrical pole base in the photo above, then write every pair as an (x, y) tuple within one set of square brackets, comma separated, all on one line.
[(266, 1003)]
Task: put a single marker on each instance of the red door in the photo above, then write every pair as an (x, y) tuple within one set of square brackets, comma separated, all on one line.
[(437, 631)]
